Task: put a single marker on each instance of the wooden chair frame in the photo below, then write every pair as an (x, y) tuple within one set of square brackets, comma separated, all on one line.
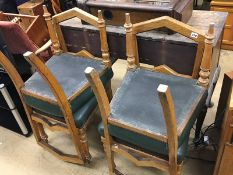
[(20, 19), (138, 157), (39, 121), (57, 36), (56, 6), (225, 143), (78, 135), (204, 50)]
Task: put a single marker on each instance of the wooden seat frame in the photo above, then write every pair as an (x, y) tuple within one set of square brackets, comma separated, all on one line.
[(202, 66), (39, 121)]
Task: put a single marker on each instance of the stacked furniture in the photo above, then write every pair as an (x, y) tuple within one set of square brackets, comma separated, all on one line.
[(156, 47), (225, 6), (35, 9), (152, 129), (149, 128), (57, 95), (30, 25)]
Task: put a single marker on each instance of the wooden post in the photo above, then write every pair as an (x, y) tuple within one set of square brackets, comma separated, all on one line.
[(104, 108), (170, 120), (103, 40), (207, 58), (130, 49), (53, 36), (63, 103)]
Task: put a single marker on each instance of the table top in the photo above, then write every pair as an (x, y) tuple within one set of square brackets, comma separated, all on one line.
[(199, 20)]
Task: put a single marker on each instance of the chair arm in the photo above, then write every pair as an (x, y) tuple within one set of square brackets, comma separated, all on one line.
[(44, 47)]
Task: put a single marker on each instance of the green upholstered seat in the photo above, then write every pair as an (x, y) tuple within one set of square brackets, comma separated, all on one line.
[(69, 71), (136, 104)]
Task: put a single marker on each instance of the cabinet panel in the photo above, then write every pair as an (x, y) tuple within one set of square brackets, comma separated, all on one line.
[(225, 6), (228, 34), (226, 166)]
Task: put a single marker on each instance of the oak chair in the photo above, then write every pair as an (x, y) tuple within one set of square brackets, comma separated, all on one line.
[(58, 96), (152, 128)]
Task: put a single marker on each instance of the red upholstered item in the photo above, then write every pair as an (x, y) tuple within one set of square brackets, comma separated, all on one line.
[(16, 39)]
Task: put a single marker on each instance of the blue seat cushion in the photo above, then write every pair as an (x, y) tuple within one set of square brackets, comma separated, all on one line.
[(69, 72), (136, 105)]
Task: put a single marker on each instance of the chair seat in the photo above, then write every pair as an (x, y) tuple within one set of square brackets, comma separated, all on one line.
[(69, 72), (143, 143), (136, 106)]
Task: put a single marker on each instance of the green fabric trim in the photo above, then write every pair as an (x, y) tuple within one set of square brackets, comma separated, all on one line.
[(149, 145), (77, 103)]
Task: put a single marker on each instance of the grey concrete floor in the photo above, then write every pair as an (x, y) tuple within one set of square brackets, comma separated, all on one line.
[(22, 156)]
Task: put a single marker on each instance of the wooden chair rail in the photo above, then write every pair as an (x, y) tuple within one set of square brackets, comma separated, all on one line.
[(59, 94), (76, 12), (168, 22), (57, 36), (205, 43), (136, 156), (20, 19)]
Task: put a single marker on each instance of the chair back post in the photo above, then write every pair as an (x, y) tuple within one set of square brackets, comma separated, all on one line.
[(205, 67), (171, 126), (130, 43), (18, 83), (101, 96), (53, 36), (59, 94), (103, 40)]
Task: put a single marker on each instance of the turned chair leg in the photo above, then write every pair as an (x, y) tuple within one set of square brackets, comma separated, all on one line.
[(85, 147), (173, 169), (109, 91), (110, 157), (43, 134)]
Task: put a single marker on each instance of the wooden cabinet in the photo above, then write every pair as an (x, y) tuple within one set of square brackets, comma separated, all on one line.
[(224, 163), (225, 6), (31, 8)]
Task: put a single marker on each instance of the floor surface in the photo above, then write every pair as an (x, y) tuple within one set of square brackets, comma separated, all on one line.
[(22, 156)]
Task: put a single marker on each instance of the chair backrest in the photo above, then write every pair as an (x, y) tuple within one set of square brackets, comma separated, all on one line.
[(57, 36), (204, 41)]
